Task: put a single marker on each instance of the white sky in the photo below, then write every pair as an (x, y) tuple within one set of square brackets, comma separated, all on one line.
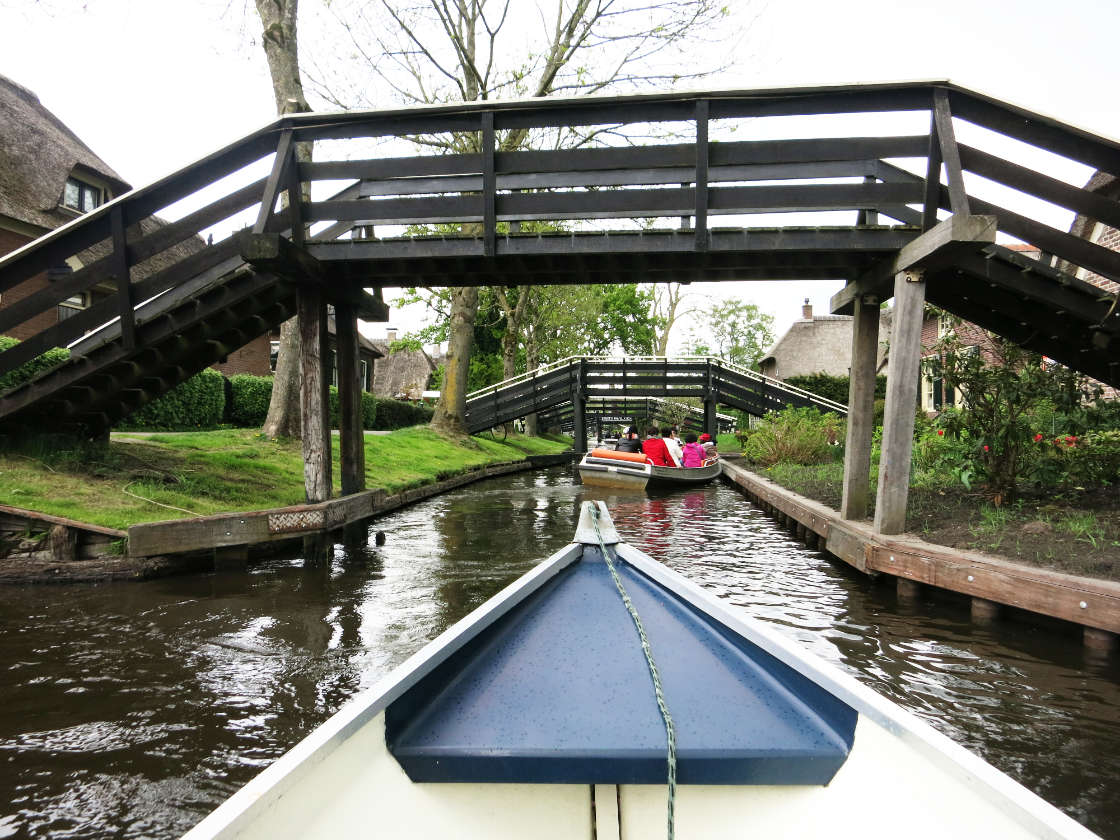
[(151, 85)]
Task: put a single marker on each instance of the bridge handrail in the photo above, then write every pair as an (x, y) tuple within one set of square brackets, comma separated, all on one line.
[(830, 405)]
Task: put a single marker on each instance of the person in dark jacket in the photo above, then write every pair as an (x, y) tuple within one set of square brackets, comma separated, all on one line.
[(629, 443)]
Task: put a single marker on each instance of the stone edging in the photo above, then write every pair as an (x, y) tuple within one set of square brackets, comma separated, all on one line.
[(1086, 601)]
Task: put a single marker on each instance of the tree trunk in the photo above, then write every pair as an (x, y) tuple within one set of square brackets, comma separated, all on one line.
[(532, 362), (450, 413), (283, 410), (278, 25)]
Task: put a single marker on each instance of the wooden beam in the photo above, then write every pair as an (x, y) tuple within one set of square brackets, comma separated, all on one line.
[(276, 254), (351, 434), (701, 177), (947, 139), (489, 187), (861, 409), (933, 248), (275, 182), (903, 370)]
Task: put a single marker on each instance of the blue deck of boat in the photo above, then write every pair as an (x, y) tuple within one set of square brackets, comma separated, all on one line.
[(558, 691)]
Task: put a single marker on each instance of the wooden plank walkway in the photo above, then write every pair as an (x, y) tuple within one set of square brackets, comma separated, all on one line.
[(1092, 603)]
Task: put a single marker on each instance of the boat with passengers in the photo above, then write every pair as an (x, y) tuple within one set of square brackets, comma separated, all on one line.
[(634, 471), (602, 695)]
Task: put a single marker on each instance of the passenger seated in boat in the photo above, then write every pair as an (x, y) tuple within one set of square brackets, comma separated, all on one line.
[(692, 454), (709, 444), (672, 444), (654, 448), (629, 443)]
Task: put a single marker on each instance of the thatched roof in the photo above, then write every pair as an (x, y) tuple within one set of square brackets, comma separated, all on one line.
[(37, 154), (404, 373)]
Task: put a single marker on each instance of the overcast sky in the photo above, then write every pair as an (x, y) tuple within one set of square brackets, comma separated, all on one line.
[(151, 85)]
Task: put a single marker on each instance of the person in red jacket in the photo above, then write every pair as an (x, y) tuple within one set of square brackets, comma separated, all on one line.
[(655, 449)]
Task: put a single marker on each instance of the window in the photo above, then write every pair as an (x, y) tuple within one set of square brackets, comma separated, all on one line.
[(73, 305), (80, 196), (273, 352)]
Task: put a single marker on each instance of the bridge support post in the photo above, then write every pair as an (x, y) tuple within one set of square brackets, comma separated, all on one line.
[(861, 409), (351, 442), (711, 423), (314, 393), (579, 411), (902, 390)]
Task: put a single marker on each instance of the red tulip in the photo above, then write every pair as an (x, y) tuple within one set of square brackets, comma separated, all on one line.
[(940, 432), (985, 447), (1038, 437)]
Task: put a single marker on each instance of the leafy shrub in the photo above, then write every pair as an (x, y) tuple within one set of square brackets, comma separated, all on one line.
[(198, 403), (250, 396), (831, 387), (26, 371), (794, 436), (394, 414)]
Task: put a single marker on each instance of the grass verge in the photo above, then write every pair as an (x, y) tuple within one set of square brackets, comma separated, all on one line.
[(170, 476)]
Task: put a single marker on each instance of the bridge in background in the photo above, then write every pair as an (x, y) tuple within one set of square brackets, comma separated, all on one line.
[(910, 215), (578, 389)]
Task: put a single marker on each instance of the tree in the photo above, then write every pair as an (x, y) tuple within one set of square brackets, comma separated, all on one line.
[(458, 50), (665, 311), (281, 49), (736, 331)]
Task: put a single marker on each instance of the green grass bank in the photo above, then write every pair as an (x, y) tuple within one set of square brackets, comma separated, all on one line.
[(148, 478)]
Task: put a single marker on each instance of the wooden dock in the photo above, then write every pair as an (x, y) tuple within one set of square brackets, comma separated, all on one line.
[(989, 581)]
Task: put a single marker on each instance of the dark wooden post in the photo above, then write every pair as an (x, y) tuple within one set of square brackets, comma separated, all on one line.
[(579, 406), (314, 393), (902, 388), (711, 422), (861, 408), (351, 436)]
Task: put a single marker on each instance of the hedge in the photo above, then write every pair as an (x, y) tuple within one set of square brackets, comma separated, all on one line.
[(198, 403), (251, 395), (833, 388), (26, 371)]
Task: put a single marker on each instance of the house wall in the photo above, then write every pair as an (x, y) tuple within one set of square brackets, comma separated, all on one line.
[(9, 241), (1107, 237), (253, 358)]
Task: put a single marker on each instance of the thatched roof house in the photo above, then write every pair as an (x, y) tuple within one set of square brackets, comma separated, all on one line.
[(817, 344), (38, 155), (403, 374), (49, 177)]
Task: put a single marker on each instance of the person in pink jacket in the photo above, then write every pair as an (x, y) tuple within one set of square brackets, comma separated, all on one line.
[(692, 452)]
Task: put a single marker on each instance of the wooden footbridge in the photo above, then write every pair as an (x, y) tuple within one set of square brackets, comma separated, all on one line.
[(577, 391), (900, 219)]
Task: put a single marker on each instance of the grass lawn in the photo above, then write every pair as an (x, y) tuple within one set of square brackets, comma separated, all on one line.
[(170, 476)]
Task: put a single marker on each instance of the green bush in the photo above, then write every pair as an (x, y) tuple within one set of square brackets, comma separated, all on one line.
[(198, 403), (794, 436), (394, 414), (26, 371), (833, 388), (249, 398)]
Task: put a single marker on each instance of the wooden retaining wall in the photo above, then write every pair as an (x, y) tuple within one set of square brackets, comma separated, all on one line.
[(1094, 604)]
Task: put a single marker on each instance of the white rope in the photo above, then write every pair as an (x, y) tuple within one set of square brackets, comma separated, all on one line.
[(670, 731)]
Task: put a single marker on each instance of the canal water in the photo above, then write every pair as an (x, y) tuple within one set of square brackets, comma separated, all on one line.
[(132, 709)]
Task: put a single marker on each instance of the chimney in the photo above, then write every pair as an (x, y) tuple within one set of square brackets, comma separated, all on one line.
[(390, 334), (807, 310)]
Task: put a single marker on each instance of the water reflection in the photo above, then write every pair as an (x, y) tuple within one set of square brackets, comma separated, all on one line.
[(131, 710)]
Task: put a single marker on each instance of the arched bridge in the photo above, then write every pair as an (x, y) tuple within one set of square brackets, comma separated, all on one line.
[(568, 386), (868, 207)]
